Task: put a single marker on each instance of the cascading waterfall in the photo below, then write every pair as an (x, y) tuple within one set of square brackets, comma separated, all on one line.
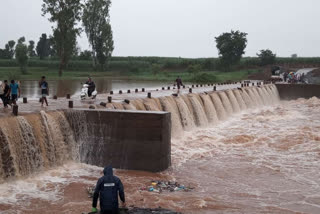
[(37, 141), (187, 101), (129, 106), (275, 91), (175, 116), (252, 97), (204, 109), (29, 158), (185, 115), (209, 109), (271, 94), (199, 113), (151, 105), (258, 97), (221, 112), (233, 100), (247, 99), (118, 106), (240, 100), (33, 142), (226, 102), (157, 101), (139, 104), (265, 95)]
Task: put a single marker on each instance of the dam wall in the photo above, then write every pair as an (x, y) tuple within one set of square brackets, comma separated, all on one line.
[(136, 140), (295, 91), (193, 110), (130, 135), (126, 139)]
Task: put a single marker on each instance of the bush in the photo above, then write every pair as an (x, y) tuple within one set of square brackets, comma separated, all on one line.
[(204, 78), (266, 57), (194, 69), (12, 75)]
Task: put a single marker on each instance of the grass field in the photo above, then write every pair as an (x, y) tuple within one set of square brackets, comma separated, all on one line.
[(147, 68), (206, 76)]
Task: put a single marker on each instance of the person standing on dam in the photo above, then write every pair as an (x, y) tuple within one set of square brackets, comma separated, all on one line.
[(179, 84), (108, 187), (2, 94), (6, 93), (43, 84), (15, 92)]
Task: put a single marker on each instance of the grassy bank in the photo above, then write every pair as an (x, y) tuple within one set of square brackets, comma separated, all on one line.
[(34, 73), (200, 70)]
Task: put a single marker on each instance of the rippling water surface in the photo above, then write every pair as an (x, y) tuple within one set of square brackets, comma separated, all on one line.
[(265, 160)]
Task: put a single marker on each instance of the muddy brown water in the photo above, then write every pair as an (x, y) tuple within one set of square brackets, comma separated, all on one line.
[(263, 160), (60, 88)]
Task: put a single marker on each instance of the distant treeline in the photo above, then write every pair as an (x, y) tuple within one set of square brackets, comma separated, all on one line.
[(162, 63)]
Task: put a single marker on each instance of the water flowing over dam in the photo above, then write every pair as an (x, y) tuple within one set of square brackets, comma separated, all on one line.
[(200, 110), (34, 142), (243, 150), (38, 141)]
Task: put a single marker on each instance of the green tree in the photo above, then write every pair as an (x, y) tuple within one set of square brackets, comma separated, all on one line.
[(2, 53), (52, 47), (66, 14), (31, 51), (266, 57), (43, 47), (231, 47), (8, 51), (96, 22), (22, 55), (85, 55), (104, 45), (194, 69)]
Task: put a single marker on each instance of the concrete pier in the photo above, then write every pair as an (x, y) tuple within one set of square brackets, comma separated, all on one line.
[(135, 140), (295, 91)]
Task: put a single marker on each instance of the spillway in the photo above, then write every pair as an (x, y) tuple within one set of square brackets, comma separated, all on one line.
[(36, 142), (242, 150), (206, 109)]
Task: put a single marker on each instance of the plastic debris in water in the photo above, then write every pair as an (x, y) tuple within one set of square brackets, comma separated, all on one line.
[(90, 191), (166, 186)]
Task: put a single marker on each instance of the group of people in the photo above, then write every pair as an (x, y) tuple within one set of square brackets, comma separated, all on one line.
[(293, 77), (9, 93)]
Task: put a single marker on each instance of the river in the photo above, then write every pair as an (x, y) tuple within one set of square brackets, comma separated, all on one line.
[(263, 160), (30, 88)]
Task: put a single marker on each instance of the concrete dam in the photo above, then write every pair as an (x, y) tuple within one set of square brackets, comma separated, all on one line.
[(249, 150), (138, 138)]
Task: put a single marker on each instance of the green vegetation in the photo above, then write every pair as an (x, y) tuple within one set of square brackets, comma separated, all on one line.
[(201, 77), (65, 15), (96, 22), (231, 47), (147, 68), (22, 55), (266, 57)]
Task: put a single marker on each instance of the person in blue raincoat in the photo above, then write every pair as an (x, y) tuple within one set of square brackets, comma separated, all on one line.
[(108, 188)]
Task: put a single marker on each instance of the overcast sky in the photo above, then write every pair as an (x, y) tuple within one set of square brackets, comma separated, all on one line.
[(186, 28)]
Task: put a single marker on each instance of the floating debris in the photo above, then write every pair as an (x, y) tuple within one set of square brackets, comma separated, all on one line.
[(90, 191), (166, 186)]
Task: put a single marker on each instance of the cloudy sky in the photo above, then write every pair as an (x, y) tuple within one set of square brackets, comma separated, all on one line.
[(186, 28)]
